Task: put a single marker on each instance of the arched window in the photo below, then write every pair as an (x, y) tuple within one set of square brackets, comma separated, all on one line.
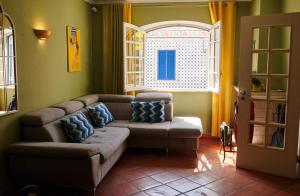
[(172, 55)]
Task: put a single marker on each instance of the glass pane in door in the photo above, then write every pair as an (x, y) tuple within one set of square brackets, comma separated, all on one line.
[(259, 62), (260, 38), (277, 112), (259, 111), (279, 62), (257, 134), (280, 37), (259, 87), (278, 88), (276, 137)]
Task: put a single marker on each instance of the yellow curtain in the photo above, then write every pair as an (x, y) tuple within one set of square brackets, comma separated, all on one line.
[(222, 101), (127, 12)]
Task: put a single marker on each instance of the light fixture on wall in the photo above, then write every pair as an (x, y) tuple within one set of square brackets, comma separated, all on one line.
[(42, 34)]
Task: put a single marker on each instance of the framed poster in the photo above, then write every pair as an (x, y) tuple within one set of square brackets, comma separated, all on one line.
[(73, 39)]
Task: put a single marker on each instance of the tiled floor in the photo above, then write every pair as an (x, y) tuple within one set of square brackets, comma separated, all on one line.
[(144, 173)]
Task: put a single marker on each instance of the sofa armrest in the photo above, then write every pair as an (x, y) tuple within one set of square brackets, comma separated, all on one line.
[(54, 149)]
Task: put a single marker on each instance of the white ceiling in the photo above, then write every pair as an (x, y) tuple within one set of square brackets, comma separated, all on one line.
[(147, 1)]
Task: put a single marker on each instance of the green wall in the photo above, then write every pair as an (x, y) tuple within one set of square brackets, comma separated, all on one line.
[(290, 6), (42, 65), (143, 14)]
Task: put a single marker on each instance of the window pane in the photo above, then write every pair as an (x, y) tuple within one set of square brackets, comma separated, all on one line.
[(276, 136), (9, 71), (280, 37), (277, 111), (279, 62), (257, 134), (130, 34), (258, 87), (1, 70), (8, 42), (278, 88), (259, 62), (2, 99), (130, 79), (11, 102), (260, 38), (259, 109)]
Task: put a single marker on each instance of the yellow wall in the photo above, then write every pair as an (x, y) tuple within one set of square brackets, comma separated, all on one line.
[(42, 66)]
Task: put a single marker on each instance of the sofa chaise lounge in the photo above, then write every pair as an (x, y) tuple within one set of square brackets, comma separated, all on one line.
[(45, 157)]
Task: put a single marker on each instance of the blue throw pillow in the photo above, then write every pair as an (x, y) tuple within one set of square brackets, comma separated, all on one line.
[(148, 111), (77, 127), (100, 115)]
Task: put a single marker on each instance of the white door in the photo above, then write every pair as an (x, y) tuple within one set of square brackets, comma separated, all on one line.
[(269, 100)]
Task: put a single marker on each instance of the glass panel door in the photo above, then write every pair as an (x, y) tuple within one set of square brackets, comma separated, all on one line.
[(269, 101), (269, 85)]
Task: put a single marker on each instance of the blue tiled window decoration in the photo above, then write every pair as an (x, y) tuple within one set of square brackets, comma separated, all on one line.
[(166, 64)]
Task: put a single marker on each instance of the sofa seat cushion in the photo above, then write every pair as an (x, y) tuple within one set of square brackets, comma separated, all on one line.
[(109, 139), (149, 130), (185, 127), (119, 123)]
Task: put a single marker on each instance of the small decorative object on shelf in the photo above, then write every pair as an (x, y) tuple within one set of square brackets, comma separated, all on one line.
[(226, 139)]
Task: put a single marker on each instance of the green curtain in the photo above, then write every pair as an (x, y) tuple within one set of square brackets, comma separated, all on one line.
[(111, 77)]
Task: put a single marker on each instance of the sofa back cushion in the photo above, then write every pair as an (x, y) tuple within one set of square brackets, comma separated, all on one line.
[(46, 131), (42, 116), (69, 106), (88, 99), (118, 105)]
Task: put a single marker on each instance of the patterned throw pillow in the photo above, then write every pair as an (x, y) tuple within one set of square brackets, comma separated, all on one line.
[(148, 111), (77, 127), (100, 115)]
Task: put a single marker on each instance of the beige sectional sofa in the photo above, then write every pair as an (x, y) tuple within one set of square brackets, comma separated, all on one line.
[(46, 158)]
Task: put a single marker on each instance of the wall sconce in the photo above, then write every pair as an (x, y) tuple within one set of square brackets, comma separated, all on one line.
[(42, 34)]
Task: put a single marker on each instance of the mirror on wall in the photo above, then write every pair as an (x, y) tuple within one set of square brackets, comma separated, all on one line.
[(8, 79)]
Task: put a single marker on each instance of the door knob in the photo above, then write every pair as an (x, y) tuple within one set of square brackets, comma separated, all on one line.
[(242, 94)]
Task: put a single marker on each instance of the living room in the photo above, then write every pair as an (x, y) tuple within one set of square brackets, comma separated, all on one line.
[(43, 78)]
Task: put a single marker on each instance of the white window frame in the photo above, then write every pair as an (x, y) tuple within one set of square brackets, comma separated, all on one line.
[(213, 61), (127, 55)]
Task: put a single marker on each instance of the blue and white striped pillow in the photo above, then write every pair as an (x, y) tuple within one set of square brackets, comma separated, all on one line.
[(100, 115), (148, 111), (77, 127)]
